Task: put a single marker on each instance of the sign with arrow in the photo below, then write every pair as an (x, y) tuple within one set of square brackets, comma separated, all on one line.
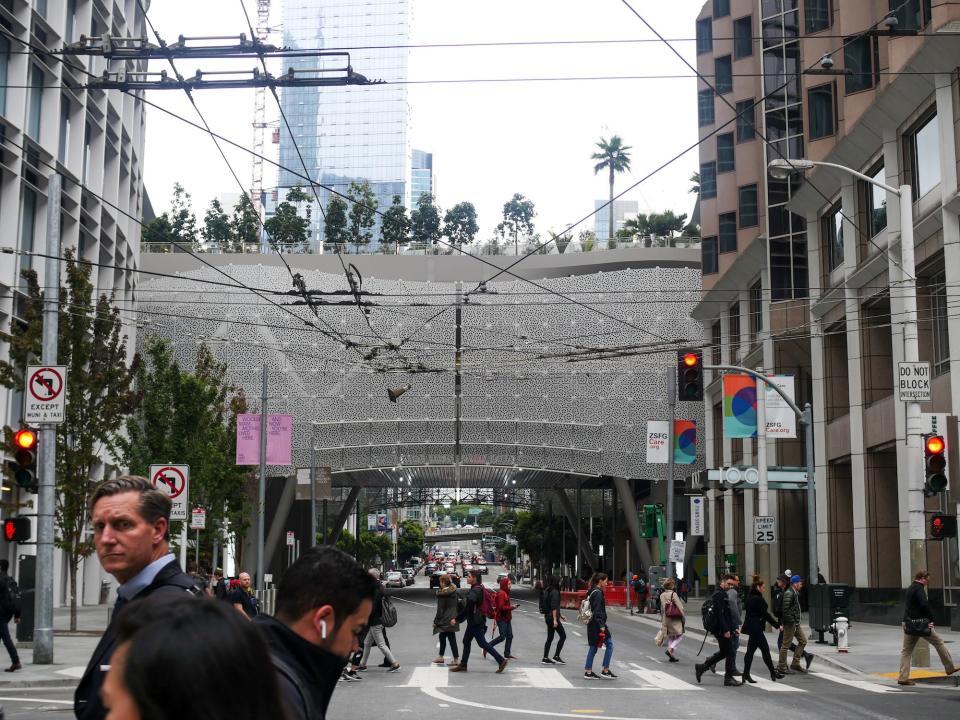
[(45, 399), (174, 482)]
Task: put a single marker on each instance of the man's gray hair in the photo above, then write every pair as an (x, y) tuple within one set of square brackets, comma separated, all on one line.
[(153, 503)]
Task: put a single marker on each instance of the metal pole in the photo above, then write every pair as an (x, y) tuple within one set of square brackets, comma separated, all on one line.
[(313, 494), (46, 499), (324, 526), (262, 486), (196, 554), (812, 498), (579, 569), (762, 551), (457, 390), (672, 402)]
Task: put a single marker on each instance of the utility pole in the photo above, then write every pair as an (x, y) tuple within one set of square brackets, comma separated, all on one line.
[(313, 493), (672, 402), (262, 485), (46, 497), (457, 388), (762, 551)]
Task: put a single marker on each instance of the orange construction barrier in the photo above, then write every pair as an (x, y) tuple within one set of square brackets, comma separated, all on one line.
[(572, 600)]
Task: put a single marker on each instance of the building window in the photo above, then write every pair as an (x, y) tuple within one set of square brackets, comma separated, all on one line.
[(746, 120), (726, 160), (716, 341), (64, 129), (705, 107), (817, 15), (861, 58), (728, 232), (833, 237), (721, 8), (708, 180), (35, 105), (912, 14), (743, 37), (748, 206), (734, 332), (42, 7), (876, 198), (941, 335), (756, 311), (723, 69), (704, 36), (923, 151), (710, 261), (822, 111)]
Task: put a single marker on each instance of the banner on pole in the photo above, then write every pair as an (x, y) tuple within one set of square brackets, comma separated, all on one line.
[(684, 442), (658, 437), (697, 506), (739, 406), (279, 439), (781, 419)]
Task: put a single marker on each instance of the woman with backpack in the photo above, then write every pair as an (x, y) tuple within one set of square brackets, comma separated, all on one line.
[(445, 621), (674, 618), (594, 611), (550, 609), (504, 618)]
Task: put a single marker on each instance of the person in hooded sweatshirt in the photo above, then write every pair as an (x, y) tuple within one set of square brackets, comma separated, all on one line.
[(504, 608), (445, 621)]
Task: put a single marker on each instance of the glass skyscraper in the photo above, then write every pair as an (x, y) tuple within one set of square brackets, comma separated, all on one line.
[(350, 133), (421, 180)]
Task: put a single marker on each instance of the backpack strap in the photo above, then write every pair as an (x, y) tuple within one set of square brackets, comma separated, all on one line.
[(294, 679)]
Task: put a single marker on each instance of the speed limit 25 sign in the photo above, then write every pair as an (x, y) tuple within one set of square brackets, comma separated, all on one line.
[(764, 529)]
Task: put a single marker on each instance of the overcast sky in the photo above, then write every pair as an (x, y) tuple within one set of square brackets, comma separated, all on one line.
[(489, 140)]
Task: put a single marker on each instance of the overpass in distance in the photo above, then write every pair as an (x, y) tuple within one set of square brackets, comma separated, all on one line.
[(457, 534)]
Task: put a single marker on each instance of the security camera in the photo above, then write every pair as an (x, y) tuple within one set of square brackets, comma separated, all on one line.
[(826, 62)]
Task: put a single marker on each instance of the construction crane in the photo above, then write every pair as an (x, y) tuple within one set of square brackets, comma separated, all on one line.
[(259, 115)]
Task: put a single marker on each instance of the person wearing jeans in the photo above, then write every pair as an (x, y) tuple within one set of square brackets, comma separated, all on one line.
[(9, 609), (476, 623), (504, 610), (597, 631), (375, 635)]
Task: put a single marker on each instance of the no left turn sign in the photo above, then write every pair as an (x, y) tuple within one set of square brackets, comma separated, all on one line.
[(45, 400), (174, 482)]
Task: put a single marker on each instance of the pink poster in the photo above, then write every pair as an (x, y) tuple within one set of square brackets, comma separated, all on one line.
[(279, 439)]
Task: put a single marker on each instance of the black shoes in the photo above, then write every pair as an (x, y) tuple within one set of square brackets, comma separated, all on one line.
[(699, 669), (731, 682), (590, 675), (808, 659), (607, 675), (13, 668), (748, 679), (774, 675), (548, 661), (558, 660)]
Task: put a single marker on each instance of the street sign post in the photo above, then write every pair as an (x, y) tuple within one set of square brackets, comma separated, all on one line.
[(45, 397), (198, 519), (173, 481), (677, 549), (913, 381), (291, 538), (764, 529)]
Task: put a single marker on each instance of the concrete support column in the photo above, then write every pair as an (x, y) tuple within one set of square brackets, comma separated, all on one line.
[(622, 487), (713, 537)]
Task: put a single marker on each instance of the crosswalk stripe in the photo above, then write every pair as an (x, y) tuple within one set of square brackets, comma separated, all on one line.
[(542, 678), (430, 676), (662, 680), (771, 686), (859, 684)]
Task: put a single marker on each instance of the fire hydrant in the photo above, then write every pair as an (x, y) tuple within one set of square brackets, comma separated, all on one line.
[(841, 627)]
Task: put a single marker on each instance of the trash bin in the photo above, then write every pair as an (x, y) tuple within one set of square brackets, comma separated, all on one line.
[(827, 603)]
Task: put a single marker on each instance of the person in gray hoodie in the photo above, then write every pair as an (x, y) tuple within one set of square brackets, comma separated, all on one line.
[(736, 610), (445, 621)]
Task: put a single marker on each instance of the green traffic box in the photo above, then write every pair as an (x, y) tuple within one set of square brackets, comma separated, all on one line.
[(827, 602)]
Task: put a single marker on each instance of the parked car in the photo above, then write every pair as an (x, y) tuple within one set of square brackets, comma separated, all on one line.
[(395, 579), (435, 578)]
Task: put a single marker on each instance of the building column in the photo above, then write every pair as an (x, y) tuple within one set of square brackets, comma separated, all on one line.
[(855, 374), (951, 226), (713, 537), (749, 562)]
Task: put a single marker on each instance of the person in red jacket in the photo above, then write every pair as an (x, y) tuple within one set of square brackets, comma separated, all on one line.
[(504, 610)]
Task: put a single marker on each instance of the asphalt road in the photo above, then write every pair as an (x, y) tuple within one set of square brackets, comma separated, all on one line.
[(647, 688)]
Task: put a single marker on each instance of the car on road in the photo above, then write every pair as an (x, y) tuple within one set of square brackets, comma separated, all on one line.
[(429, 568), (394, 579), (435, 578), (407, 575), (501, 576), (484, 570)]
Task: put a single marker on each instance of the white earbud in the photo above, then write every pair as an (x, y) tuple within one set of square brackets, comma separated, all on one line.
[(323, 629)]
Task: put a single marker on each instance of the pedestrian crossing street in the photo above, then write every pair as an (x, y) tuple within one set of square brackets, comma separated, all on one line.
[(631, 676)]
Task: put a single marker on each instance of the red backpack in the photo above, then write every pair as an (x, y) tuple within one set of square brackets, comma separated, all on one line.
[(487, 606)]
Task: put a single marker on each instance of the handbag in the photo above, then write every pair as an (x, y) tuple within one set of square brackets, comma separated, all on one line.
[(672, 611), (917, 627), (661, 636)]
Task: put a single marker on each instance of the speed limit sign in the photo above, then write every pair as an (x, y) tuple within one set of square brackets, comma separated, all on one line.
[(764, 529)]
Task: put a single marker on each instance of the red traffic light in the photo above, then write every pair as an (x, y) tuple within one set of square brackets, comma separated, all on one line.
[(25, 439), (691, 359), (935, 445), (943, 526), (16, 529)]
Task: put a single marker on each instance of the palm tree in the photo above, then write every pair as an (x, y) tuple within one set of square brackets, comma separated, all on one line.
[(613, 156), (695, 179)]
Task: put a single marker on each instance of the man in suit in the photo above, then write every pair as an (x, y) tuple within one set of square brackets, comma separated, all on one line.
[(130, 520)]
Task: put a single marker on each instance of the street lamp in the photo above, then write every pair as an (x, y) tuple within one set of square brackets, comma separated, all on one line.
[(781, 169)]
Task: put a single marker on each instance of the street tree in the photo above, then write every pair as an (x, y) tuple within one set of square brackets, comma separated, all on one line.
[(335, 223), (245, 225), (217, 231), (183, 221), (395, 226), (99, 397), (562, 241), (425, 221), (518, 214), (158, 234), (363, 213), (410, 540), (614, 157), (288, 229), (460, 224)]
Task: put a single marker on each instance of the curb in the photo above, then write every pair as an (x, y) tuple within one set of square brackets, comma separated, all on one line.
[(47, 683)]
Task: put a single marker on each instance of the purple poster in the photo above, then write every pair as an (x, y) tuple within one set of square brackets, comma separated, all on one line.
[(279, 439)]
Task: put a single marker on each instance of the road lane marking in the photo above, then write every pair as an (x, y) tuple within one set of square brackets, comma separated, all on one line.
[(576, 633), (543, 679), (431, 676), (37, 700), (771, 686), (412, 602), (859, 684), (662, 680)]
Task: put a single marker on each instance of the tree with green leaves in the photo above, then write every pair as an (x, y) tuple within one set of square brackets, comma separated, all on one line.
[(363, 213), (425, 221), (245, 225), (288, 230), (217, 231), (614, 157), (562, 241), (395, 226), (587, 239), (335, 223), (410, 540), (460, 224), (158, 235), (518, 214), (183, 221), (99, 396), (191, 418)]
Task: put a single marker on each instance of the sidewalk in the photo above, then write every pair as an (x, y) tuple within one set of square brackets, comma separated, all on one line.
[(71, 651), (874, 649)]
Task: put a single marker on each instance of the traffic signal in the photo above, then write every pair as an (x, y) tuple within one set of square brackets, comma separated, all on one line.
[(25, 459), (935, 464), (17, 529), (943, 526), (689, 375)]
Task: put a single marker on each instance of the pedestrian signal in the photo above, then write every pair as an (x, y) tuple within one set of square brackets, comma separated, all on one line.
[(17, 529), (943, 526)]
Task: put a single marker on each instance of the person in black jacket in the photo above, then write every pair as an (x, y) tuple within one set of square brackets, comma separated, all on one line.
[(598, 634), (9, 610), (550, 606), (476, 624), (917, 607), (322, 606), (131, 521), (723, 631), (756, 616)]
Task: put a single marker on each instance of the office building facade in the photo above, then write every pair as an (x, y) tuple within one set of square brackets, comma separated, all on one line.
[(422, 179), (623, 210)]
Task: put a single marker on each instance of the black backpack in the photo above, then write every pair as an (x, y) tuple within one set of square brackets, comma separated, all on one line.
[(544, 601), (708, 614), (10, 596)]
